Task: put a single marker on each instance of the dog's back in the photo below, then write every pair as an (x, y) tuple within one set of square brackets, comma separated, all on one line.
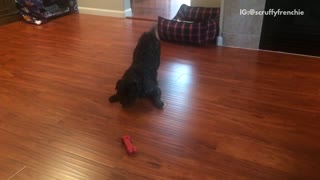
[(148, 50)]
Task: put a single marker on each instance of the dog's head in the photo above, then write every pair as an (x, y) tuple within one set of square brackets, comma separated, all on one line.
[(149, 39), (127, 91)]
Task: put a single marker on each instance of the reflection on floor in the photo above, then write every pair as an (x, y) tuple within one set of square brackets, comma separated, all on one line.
[(151, 9)]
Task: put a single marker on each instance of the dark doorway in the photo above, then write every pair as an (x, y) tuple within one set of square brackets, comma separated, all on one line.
[(293, 34)]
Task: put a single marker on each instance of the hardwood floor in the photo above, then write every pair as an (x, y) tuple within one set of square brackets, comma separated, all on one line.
[(231, 113), (151, 9)]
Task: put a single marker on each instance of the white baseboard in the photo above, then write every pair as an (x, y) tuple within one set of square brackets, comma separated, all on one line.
[(105, 12), (220, 41)]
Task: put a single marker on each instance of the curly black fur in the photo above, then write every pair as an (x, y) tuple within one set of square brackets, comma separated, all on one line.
[(140, 80)]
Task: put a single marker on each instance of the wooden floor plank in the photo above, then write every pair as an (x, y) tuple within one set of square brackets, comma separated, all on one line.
[(231, 113), (31, 174), (9, 167)]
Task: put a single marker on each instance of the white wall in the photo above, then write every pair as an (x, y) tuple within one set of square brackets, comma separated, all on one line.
[(240, 30), (113, 8)]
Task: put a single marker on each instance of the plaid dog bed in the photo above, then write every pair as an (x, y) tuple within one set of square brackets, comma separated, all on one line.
[(195, 25), (40, 11)]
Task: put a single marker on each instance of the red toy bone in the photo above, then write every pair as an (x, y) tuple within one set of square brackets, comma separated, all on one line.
[(129, 146)]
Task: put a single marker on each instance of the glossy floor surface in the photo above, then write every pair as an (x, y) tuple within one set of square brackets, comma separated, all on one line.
[(151, 9), (231, 113)]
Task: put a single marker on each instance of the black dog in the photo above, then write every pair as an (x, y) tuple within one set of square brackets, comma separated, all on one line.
[(140, 80)]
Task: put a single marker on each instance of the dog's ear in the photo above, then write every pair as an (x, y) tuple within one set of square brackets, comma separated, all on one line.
[(154, 30), (118, 84), (114, 98)]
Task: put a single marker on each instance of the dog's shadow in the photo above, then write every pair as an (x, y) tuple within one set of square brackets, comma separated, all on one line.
[(141, 106)]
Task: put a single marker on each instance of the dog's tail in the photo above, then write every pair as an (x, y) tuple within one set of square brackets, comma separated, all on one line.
[(154, 29)]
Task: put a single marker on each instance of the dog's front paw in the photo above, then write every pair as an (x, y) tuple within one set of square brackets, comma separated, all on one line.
[(114, 98), (159, 104)]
